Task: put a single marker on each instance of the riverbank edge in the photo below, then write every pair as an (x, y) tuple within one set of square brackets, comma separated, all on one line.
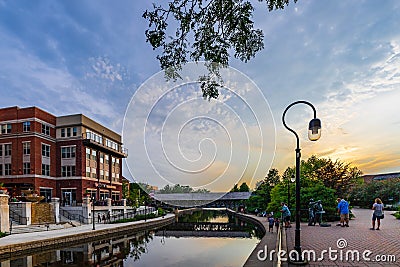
[(274, 241), (89, 235)]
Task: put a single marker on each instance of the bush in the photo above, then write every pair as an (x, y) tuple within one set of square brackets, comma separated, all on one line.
[(136, 218), (397, 214), (2, 234)]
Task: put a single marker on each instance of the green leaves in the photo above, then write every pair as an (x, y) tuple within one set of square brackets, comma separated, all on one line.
[(205, 31)]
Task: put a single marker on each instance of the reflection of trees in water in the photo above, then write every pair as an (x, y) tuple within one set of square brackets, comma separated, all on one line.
[(201, 216), (138, 245)]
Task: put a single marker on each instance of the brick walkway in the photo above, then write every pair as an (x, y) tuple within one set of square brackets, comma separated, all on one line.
[(358, 237)]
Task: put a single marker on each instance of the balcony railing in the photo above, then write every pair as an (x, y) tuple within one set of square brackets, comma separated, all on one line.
[(99, 140)]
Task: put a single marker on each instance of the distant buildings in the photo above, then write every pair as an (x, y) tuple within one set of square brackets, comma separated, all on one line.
[(379, 177), (66, 157)]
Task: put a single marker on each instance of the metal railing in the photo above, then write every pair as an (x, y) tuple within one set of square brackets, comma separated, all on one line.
[(72, 216), (132, 214), (18, 218)]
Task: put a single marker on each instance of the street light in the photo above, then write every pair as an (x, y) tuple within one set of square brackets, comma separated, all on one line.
[(314, 133), (93, 199)]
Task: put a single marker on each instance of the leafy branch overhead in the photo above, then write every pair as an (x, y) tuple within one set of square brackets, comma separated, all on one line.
[(205, 30)]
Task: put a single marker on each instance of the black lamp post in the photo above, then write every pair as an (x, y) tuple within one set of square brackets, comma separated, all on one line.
[(93, 199), (314, 133), (292, 179)]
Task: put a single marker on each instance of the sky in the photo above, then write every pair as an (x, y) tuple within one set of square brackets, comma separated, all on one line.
[(91, 57)]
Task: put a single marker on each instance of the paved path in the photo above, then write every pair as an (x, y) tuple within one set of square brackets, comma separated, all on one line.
[(358, 236), (269, 241)]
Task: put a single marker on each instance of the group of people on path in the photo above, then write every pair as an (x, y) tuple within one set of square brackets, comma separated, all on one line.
[(344, 212), (105, 218), (377, 215)]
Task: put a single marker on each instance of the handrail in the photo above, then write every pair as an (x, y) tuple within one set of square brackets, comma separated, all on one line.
[(71, 216), (18, 218)]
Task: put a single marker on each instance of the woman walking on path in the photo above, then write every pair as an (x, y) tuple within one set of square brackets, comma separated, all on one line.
[(378, 212)]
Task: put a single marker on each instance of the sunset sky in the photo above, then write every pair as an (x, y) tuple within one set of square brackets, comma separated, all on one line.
[(91, 57)]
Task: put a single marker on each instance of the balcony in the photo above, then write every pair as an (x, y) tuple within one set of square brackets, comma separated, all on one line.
[(98, 142)]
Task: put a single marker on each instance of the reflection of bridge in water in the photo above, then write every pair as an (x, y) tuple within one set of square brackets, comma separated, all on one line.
[(205, 229)]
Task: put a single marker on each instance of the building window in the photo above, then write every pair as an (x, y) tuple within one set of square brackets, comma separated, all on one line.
[(46, 169), (7, 169), (6, 128), (62, 132), (94, 173), (94, 157), (68, 197), (115, 196), (103, 195), (45, 129), (46, 192), (87, 153), (1, 169), (74, 131), (26, 126), (101, 157), (1, 150), (27, 168), (87, 171), (26, 148), (93, 136), (106, 159), (68, 152), (7, 150), (45, 150), (67, 171), (111, 144), (101, 174), (92, 193), (68, 132)]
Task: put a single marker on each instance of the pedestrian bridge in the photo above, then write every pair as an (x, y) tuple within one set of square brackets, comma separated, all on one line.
[(214, 199)]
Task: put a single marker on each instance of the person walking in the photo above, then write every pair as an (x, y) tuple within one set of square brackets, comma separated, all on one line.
[(286, 215), (378, 212), (343, 210), (270, 224)]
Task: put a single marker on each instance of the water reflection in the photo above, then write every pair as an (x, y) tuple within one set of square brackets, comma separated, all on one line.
[(196, 239)]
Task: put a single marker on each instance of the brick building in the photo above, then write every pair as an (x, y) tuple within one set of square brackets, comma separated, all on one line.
[(66, 157)]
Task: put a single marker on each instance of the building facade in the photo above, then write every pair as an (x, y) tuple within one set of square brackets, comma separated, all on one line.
[(66, 157)]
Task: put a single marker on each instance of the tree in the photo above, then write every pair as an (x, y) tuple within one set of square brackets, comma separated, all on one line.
[(387, 190), (273, 177), (205, 30), (337, 175), (139, 194), (181, 189), (244, 187), (317, 191), (235, 188), (260, 197)]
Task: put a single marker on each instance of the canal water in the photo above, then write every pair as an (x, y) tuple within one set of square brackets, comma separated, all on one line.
[(200, 238)]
